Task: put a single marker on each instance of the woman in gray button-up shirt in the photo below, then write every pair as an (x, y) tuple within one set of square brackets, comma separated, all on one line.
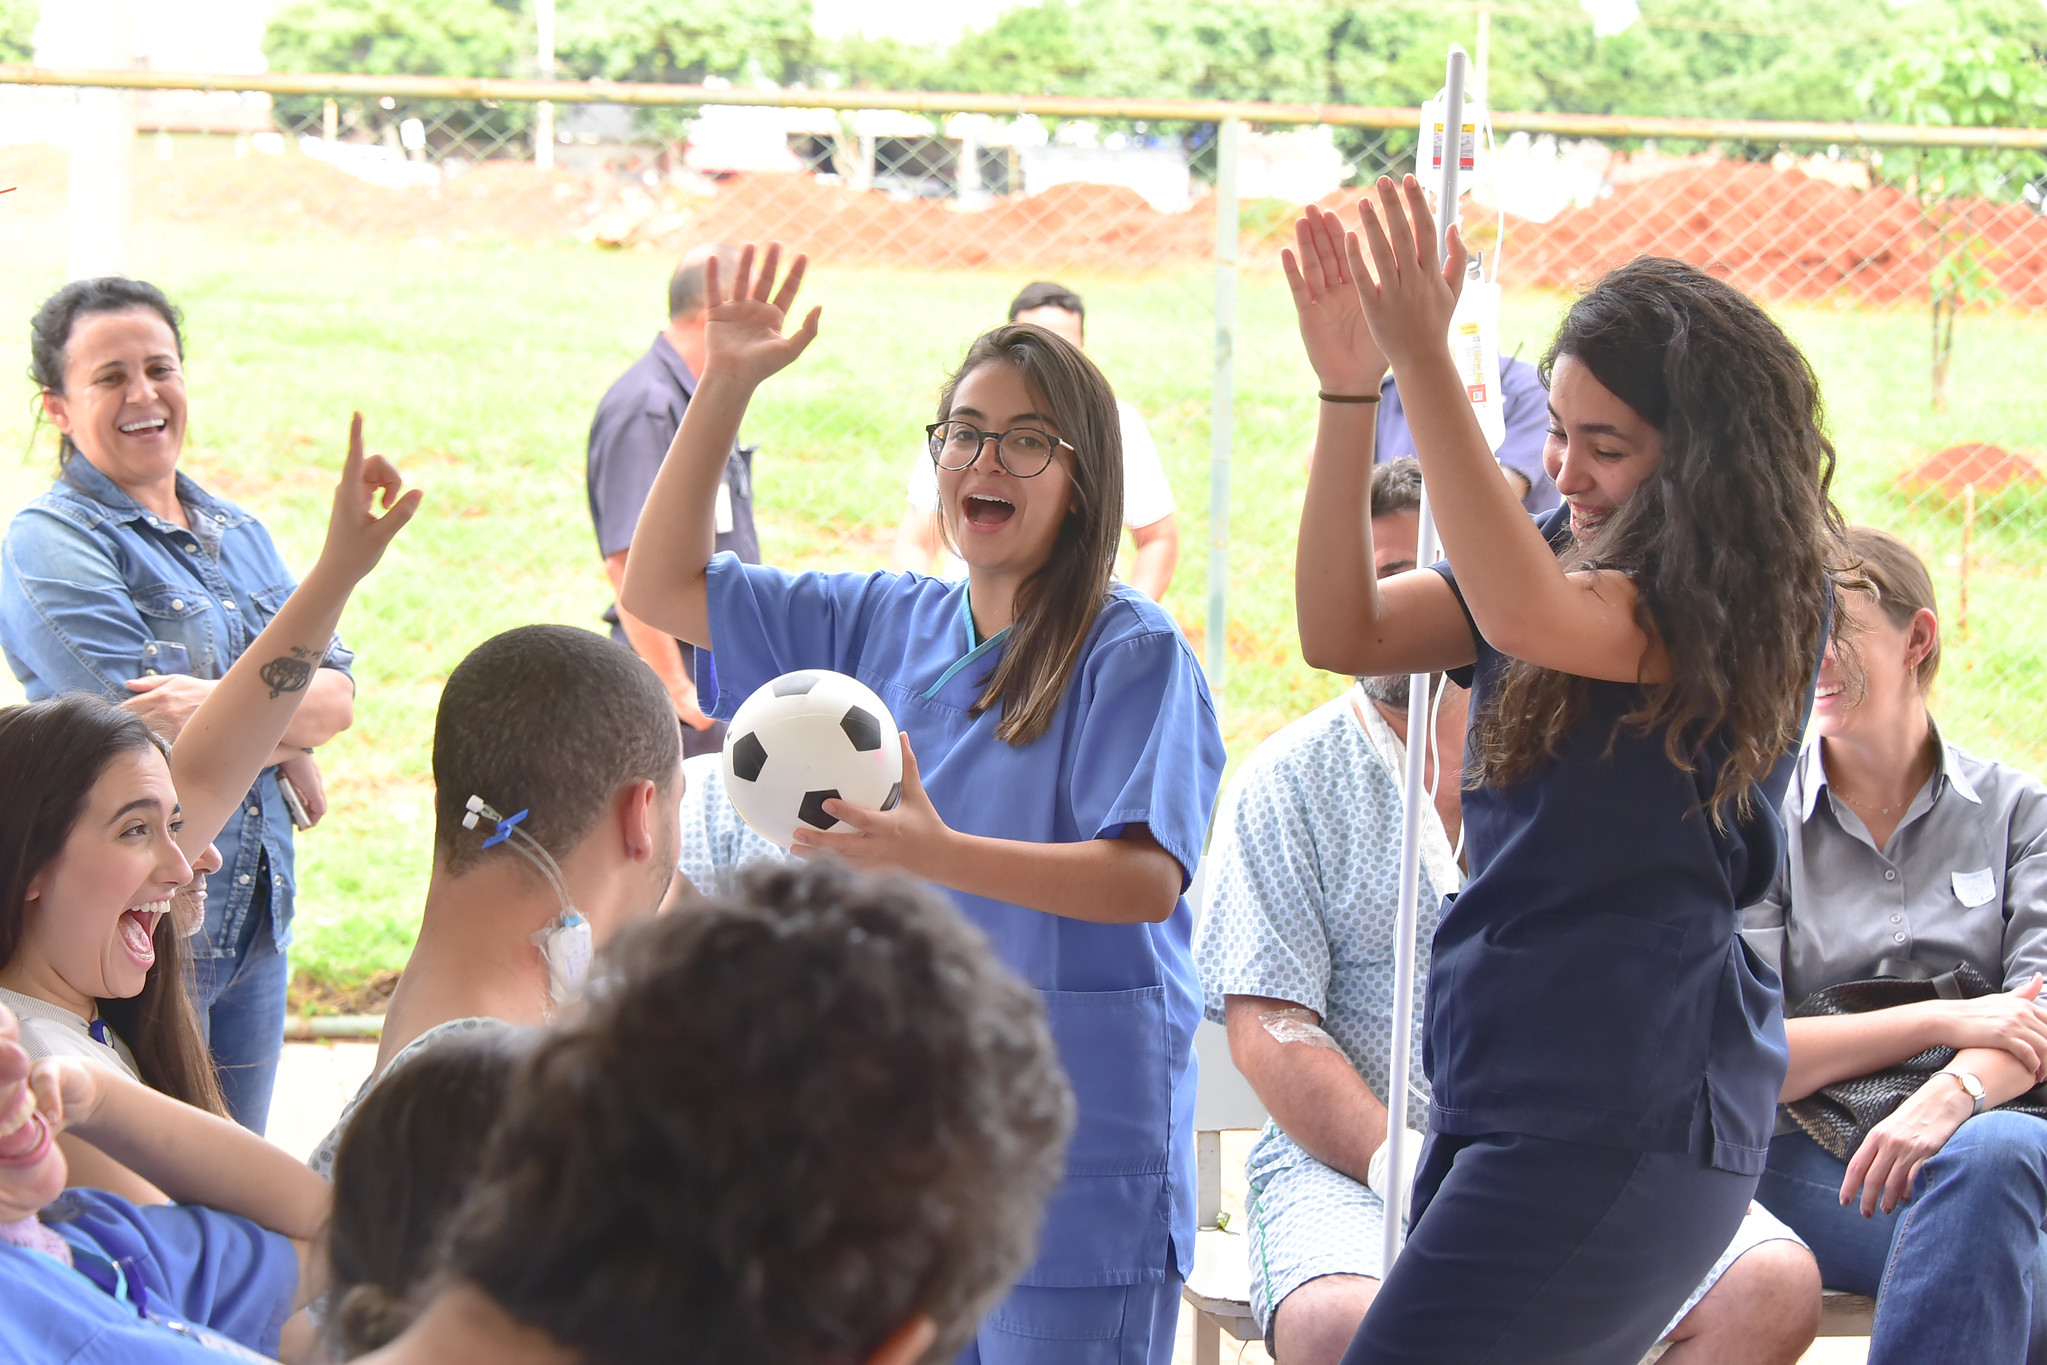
[(1902, 846)]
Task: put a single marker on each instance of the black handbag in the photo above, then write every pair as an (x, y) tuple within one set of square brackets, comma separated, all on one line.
[(1839, 1116)]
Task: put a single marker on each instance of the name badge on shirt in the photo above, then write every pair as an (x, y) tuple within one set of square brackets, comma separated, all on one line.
[(1974, 888), (721, 518)]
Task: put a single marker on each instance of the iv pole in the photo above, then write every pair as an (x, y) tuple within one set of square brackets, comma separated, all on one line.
[(1418, 740)]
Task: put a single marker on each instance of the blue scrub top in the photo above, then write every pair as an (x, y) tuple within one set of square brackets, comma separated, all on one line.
[(210, 1271), (1134, 741), (1589, 984)]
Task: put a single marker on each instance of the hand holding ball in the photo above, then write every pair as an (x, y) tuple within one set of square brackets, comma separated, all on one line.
[(804, 739)]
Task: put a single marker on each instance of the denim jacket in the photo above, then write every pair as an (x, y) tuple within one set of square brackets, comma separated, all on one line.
[(96, 590)]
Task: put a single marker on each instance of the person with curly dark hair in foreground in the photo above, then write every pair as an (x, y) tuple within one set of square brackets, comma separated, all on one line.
[(813, 1123)]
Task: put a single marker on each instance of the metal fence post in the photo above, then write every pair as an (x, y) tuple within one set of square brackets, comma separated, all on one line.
[(543, 113), (100, 143), (1221, 400)]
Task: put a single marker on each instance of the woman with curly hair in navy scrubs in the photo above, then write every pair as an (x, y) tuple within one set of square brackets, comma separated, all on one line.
[(1605, 1054)]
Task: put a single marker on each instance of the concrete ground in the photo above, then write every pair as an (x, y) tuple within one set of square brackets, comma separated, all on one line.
[(316, 1079)]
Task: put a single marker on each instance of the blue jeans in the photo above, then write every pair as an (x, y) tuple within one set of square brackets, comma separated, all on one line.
[(1954, 1269), (1803, 1187), (1119, 1324), (241, 1009)]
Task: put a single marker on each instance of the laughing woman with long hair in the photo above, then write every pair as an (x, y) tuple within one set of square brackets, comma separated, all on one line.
[(102, 822), (1604, 1053), (1066, 759)]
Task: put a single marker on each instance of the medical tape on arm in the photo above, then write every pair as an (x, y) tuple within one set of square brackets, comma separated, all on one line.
[(1296, 1025)]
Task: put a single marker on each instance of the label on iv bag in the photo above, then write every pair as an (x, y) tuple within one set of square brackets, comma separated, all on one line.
[(1471, 358), (1477, 357), (1467, 147)]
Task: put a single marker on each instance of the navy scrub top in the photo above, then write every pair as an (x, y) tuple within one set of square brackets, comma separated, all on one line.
[(1589, 984)]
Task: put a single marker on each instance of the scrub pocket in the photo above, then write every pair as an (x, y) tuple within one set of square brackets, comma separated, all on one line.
[(1115, 1325), (1576, 1018), (1110, 1222)]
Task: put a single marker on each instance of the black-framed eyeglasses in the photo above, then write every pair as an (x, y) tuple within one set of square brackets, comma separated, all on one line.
[(1022, 451)]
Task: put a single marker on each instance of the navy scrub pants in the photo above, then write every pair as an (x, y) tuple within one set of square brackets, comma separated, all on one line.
[(1528, 1250)]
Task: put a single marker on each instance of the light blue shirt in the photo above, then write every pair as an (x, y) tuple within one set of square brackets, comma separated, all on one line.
[(96, 590), (170, 1264), (1133, 741), (1304, 890), (716, 842)]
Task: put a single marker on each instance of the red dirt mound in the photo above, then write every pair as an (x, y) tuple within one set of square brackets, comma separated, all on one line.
[(1988, 467), (1774, 233), (1069, 224), (1779, 234)]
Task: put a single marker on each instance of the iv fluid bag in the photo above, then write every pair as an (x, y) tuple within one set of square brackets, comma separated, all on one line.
[(1437, 134), (1475, 345)]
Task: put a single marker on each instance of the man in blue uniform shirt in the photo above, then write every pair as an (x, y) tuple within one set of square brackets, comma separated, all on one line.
[(629, 437), (1520, 454)]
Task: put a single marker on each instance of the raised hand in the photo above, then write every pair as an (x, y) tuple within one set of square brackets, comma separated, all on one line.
[(1408, 294), (1339, 343), (743, 338), (356, 535)]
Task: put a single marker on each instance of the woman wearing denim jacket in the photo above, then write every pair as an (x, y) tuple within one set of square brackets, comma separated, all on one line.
[(129, 580)]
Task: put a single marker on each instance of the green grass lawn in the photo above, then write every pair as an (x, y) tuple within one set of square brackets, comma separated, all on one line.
[(478, 366)]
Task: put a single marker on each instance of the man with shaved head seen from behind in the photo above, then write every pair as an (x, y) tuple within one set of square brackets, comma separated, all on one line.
[(629, 437), (811, 1123), (570, 745)]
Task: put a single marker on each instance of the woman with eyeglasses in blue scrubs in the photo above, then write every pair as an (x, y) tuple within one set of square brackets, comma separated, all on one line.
[(1060, 759), (1604, 1053)]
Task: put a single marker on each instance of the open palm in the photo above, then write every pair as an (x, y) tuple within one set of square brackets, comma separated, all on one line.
[(743, 338), (1339, 343), (1408, 293)]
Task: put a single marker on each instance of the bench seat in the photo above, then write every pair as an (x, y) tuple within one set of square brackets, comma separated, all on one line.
[(1219, 1292)]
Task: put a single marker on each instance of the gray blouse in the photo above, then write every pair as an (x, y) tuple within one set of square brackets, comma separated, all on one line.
[(1962, 879)]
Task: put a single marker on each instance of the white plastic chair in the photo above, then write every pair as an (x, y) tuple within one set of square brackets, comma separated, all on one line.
[(1219, 1288)]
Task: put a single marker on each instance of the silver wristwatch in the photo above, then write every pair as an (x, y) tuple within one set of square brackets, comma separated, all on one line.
[(1970, 1086)]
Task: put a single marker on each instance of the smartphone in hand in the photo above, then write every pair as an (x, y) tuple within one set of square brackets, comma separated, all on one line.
[(301, 818)]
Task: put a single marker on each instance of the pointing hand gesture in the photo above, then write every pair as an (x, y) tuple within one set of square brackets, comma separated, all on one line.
[(357, 535), (744, 339)]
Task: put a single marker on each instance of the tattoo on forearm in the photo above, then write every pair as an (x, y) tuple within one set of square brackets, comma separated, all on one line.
[(289, 674)]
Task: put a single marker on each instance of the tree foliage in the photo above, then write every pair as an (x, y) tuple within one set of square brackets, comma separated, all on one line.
[(638, 40), (658, 40), (1767, 59), (18, 30), (400, 37), (1961, 81)]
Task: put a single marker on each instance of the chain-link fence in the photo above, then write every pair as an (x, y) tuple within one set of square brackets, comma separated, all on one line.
[(408, 254)]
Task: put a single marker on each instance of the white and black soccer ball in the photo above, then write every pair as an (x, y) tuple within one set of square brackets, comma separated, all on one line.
[(804, 739)]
